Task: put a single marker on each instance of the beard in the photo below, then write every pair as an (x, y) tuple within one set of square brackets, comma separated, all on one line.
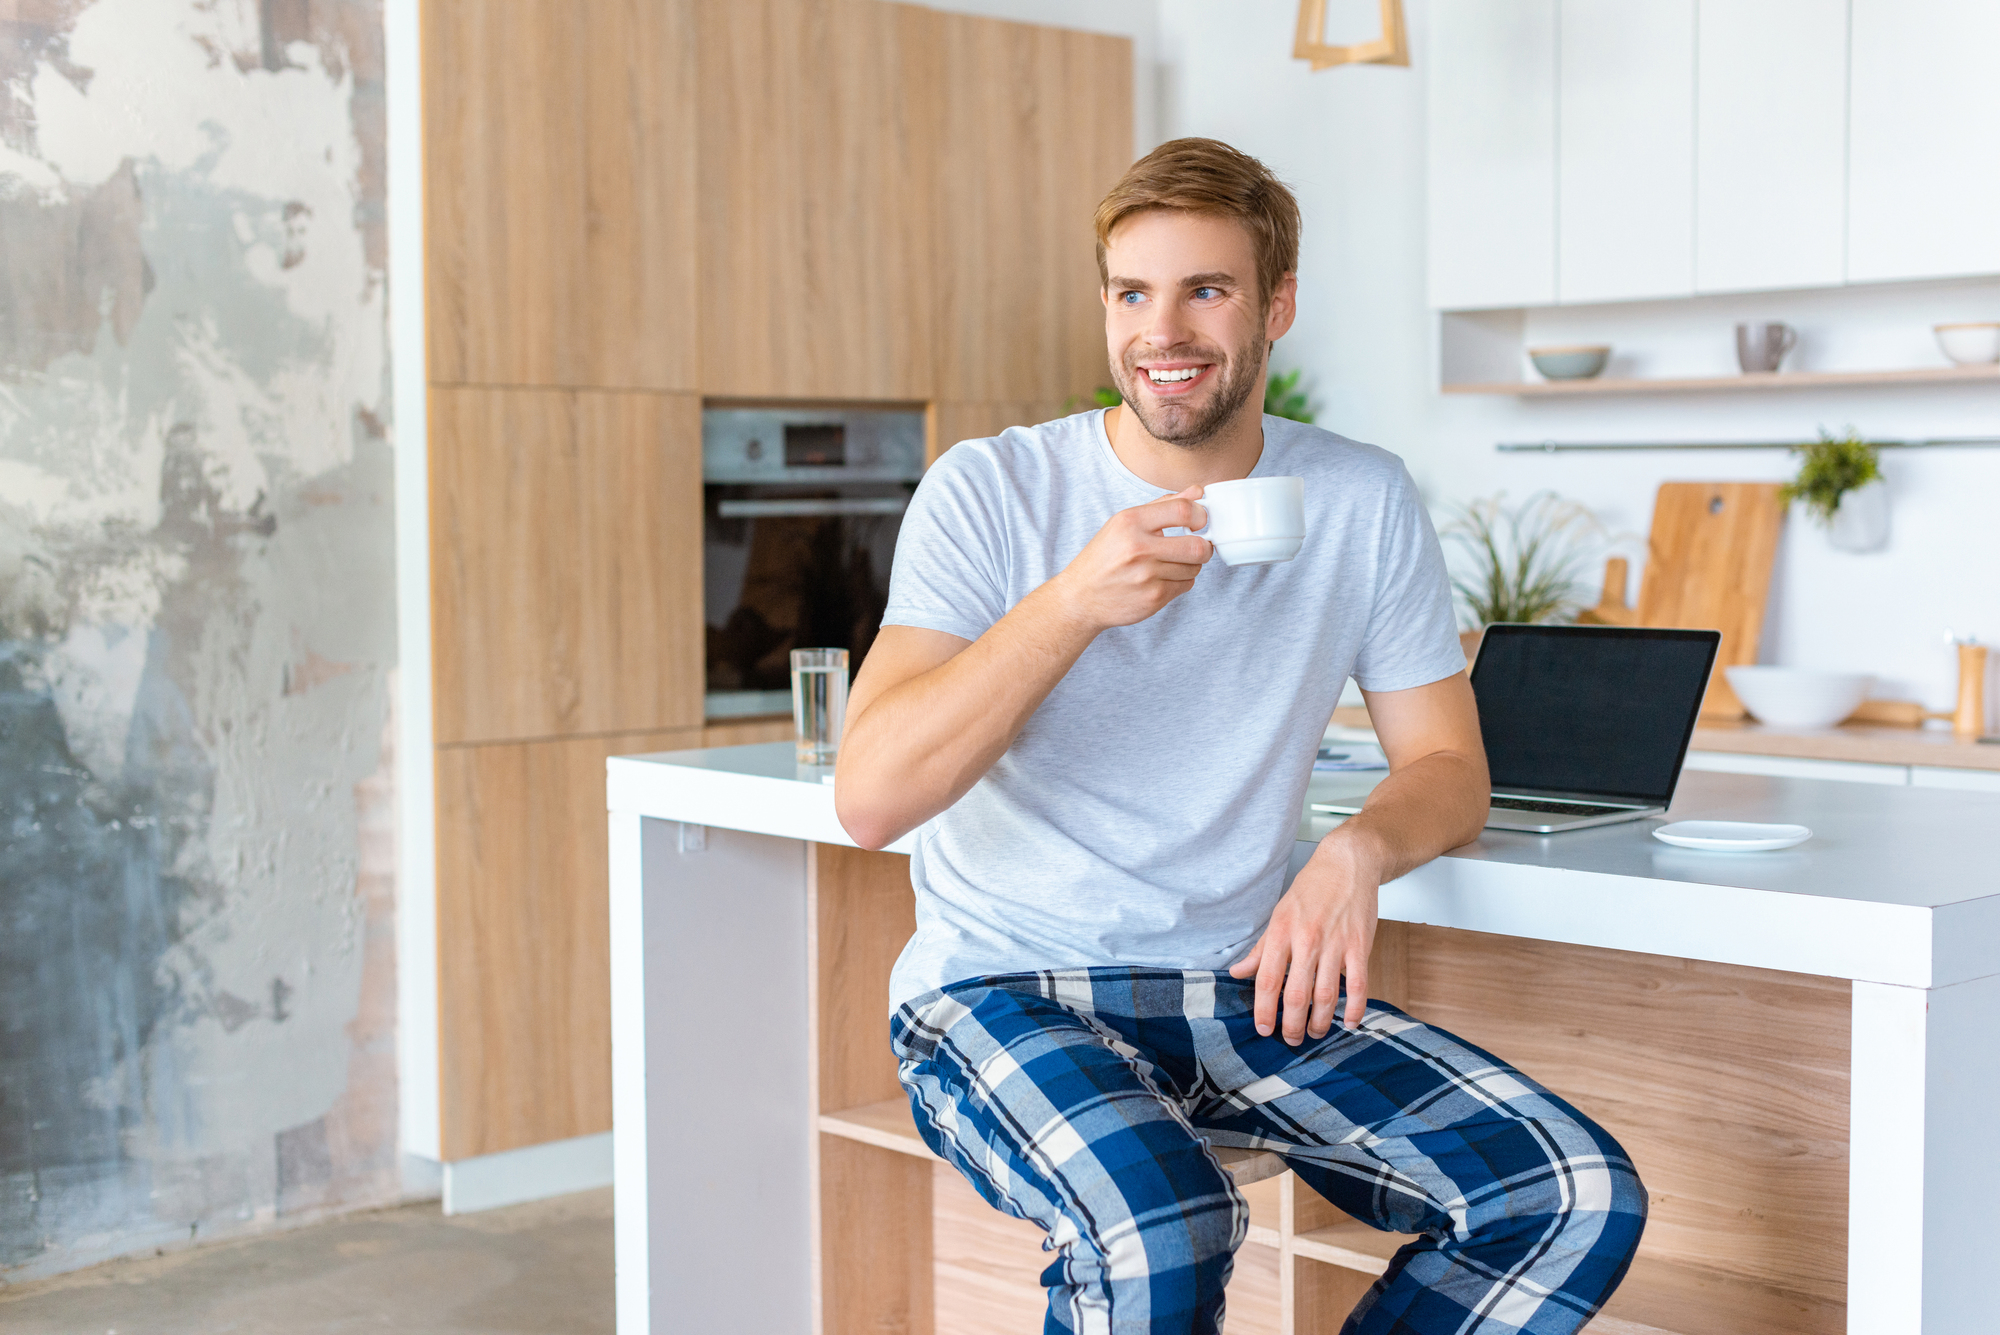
[(1190, 425)]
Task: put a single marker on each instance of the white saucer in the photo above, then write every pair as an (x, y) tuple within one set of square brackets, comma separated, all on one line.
[(1731, 836)]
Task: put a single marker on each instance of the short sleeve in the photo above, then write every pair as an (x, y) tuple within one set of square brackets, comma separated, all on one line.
[(950, 571), (1412, 637)]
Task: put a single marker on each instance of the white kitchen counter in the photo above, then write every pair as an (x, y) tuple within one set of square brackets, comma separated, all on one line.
[(1897, 886), (1899, 891)]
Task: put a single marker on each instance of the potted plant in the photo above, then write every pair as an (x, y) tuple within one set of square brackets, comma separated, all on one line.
[(1284, 398), (1522, 563), (1840, 482)]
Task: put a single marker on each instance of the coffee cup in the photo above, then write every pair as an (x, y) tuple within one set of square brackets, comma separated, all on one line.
[(1761, 347), (1255, 521)]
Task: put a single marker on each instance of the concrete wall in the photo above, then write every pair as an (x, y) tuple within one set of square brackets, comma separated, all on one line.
[(197, 624), (1352, 143)]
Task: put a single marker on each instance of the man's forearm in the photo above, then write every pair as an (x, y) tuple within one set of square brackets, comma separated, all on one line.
[(1434, 803), (924, 742)]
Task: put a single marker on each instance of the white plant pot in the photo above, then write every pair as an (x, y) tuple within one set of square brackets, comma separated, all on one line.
[(1861, 522)]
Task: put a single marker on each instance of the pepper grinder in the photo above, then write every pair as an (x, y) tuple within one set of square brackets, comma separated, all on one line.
[(1969, 720)]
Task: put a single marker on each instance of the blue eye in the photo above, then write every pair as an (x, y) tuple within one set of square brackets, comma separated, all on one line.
[(1205, 293), (1130, 298)]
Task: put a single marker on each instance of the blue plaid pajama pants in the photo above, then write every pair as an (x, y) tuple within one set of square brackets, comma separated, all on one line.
[(1086, 1100)]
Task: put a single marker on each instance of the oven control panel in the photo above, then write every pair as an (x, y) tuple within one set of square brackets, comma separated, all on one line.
[(811, 445)]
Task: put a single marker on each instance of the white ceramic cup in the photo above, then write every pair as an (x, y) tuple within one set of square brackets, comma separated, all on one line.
[(1255, 521)]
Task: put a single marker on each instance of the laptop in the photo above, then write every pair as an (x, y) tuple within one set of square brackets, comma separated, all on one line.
[(1584, 725)]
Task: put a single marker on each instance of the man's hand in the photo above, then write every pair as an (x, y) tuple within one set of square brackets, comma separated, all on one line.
[(930, 712), (1434, 799), (1131, 569), (1323, 928)]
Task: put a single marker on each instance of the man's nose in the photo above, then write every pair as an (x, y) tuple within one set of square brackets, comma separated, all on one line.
[(1169, 327)]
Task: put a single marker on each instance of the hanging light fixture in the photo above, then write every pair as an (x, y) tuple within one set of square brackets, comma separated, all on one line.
[(1392, 48)]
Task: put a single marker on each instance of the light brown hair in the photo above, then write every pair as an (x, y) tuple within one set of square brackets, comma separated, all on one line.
[(1208, 176)]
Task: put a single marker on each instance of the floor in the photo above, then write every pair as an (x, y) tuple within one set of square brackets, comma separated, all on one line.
[(539, 1269)]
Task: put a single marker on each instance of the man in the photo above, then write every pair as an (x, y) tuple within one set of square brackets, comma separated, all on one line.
[(1105, 740)]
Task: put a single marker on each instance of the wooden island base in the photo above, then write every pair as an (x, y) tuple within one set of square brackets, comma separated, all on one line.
[(1728, 1086)]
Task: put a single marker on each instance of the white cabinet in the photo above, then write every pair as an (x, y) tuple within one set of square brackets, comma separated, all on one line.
[(1924, 159), (1794, 767), (1492, 153), (1606, 150), (1965, 780), (1625, 217), (1770, 144)]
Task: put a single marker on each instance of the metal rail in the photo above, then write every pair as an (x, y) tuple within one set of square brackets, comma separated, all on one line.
[(1566, 447)]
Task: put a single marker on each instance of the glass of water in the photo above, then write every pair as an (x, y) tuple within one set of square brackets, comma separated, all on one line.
[(819, 702)]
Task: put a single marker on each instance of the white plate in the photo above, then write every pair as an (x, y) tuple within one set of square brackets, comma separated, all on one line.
[(1731, 836)]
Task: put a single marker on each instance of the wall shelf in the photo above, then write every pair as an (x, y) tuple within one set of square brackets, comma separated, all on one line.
[(1773, 380)]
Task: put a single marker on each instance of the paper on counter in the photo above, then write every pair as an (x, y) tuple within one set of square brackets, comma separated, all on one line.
[(1341, 757)]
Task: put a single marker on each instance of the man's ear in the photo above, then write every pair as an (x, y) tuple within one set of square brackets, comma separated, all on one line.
[(1283, 308)]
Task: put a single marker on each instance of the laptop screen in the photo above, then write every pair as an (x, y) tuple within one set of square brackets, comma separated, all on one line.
[(1604, 710)]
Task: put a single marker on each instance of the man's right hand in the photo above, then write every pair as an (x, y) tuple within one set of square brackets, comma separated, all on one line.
[(930, 712), (1131, 569)]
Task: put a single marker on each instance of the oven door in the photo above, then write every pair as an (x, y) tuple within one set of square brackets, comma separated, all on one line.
[(791, 566)]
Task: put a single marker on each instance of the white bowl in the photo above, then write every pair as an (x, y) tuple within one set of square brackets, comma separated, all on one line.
[(1575, 361), (1969, 344), (1798, 697)]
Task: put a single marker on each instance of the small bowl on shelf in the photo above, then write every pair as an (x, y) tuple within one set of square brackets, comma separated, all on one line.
[(1798, 697), (1975, 344), (1575, 361)]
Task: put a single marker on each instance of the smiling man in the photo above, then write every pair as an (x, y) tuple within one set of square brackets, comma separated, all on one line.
[(1103, 739)]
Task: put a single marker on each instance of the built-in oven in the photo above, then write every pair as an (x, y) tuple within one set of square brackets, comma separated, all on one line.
[(800, 511)]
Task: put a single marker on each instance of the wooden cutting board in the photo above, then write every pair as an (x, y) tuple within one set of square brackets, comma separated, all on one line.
[(1708, 567)]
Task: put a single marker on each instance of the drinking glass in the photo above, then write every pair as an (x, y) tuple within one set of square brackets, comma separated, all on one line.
[(819, 702)]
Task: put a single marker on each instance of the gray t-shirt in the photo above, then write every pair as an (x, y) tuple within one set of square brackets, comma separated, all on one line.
[(1146, 812)]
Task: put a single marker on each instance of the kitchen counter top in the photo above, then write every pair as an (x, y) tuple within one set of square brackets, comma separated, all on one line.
[(1866, 743), (1897, 886), (736, 927)]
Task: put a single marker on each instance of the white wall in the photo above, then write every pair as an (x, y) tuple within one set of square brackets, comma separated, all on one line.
[(417, 1055), (1351, 142)]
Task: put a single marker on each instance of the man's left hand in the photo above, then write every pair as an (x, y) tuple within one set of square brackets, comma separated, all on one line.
[(1323, 928)]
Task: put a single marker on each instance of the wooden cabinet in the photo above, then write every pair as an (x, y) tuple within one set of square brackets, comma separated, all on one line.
[(633, 205), (1728, 1085), (1492, 153), (1923, 186), (566, 562), (953, 422), (1039, 126), (1625, 212), (524, 939), (559, 193), (1771, 145), (818, 157)]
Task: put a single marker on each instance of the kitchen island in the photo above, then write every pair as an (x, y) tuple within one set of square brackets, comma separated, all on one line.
[(1798, 1049)]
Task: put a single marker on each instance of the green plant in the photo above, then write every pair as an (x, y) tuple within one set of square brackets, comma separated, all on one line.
[(1833, 466), (1284, 398), (1103, 396), (1524, 562)]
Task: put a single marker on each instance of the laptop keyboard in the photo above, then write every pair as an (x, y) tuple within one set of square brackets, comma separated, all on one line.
[(1541, 808)]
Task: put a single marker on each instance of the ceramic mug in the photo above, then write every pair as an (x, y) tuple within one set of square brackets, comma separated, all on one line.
[(1761, 348), (1255, 521)]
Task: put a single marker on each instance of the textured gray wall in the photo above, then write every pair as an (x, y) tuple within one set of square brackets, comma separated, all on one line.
[(197, 623)]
